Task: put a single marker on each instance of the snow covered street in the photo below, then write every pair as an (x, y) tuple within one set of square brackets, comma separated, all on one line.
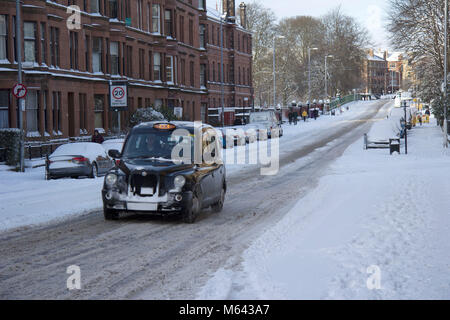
[(371, 212)]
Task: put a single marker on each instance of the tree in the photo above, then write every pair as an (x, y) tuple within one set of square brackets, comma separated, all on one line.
[(417, 27)]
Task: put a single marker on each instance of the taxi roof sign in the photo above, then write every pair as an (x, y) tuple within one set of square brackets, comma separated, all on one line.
[(164, 126)]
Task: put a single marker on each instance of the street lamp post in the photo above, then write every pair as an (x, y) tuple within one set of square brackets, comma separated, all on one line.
[(222, 89), (309, 75), (326, 75), (445, 75), (406, 129), (20, 101), (274, 75)]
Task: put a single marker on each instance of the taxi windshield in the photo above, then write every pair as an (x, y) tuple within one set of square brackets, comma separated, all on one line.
[(156, 144)]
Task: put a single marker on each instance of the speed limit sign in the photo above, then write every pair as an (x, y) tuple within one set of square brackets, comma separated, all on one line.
[(118, 95), (19, 91)]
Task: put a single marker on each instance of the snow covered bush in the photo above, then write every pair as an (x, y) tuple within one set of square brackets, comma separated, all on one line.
[(145, 115), (10, 140), (150, 114)]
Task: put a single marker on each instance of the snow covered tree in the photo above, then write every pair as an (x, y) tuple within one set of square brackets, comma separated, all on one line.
[(417, 27), (145, 115)]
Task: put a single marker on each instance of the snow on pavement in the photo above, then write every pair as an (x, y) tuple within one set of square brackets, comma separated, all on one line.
[(28, 199), (372, 211)]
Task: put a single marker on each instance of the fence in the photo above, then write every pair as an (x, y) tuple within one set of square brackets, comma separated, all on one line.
[(39, 149), (341, 101)]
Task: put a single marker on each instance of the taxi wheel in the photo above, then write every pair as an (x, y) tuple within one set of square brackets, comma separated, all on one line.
[(218, 206), (190, 214), (110, 214)]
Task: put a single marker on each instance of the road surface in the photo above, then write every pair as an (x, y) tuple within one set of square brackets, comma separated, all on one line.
[(154, 258)]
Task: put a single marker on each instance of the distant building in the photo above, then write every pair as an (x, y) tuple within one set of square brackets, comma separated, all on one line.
[(383, 72), (166, 51)]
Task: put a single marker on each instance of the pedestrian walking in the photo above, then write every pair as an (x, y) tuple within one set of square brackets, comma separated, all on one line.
[(304, 115), (419, 117), (97, 137), (295, 117)]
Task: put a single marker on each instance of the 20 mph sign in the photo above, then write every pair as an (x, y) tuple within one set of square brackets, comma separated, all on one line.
[(118, 96), (19, 91)]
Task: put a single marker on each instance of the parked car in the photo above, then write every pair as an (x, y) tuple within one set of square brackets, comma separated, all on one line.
[(146, 179), (116, 144), (268, 120), (77, 159)]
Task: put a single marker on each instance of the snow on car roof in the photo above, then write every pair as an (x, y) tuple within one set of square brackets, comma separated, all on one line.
[(90, 150)]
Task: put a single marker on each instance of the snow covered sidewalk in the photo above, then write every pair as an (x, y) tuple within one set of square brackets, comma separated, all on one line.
[(372, 217)]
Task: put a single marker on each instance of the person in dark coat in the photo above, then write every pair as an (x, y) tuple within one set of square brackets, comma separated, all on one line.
[(97, 137), (295, 116)]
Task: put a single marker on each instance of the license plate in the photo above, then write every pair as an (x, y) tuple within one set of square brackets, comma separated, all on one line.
[(147, 191)]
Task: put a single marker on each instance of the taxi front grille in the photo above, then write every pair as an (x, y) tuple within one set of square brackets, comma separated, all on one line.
[(143, 185)]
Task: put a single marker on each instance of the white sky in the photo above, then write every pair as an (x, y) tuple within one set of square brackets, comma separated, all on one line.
[(369, 13)]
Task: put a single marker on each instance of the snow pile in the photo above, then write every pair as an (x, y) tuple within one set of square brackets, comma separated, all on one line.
[(372, 211)]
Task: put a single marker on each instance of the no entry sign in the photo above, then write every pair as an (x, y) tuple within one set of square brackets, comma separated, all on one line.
[(118, 95), (19, 91)]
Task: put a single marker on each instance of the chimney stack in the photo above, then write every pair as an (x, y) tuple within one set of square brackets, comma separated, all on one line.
[(243, 14), (228, 8)]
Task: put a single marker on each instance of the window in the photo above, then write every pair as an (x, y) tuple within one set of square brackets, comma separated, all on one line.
[(114, 53), (31, 103), (156, 19), (4, 106), (3, 40), (191, 33), (29, 36), (73, 48), (87, 45), (182, 28), (203, 75), (129, 54), (43, 44), (148, 17), (139, 15), (113, 9), (141, 64), (99, 105), (156, 66), (56, 110), (54, 46), (168, 23), (202, 36), (191, 70), (201, 4), (44, 99), (183, 71), (97, 55), (95, 6), (169, 69), (83, 112)]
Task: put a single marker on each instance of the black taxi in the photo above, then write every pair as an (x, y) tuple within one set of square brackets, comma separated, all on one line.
[(166, 168)]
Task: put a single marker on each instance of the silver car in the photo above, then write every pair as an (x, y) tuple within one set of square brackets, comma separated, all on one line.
[(78, 159)]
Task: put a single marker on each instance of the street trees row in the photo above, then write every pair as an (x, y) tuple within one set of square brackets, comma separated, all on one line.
[(417, 27), (333, 34)]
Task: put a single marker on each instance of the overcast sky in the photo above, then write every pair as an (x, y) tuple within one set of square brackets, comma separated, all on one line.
[(370, 13)]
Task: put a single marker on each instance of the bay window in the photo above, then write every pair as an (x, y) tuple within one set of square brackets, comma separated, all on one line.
[(156, 66), (114, 53)]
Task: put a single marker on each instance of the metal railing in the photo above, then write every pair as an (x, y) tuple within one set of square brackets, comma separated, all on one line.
[(40, 149), (337, 103)]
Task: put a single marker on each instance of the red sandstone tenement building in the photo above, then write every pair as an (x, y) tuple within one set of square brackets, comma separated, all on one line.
[(167, 51)]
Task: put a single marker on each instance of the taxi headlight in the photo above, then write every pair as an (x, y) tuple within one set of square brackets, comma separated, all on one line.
[(111, 179), (179, 181)]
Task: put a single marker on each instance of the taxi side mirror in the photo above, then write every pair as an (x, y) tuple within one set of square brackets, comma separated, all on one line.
[(113, 153)]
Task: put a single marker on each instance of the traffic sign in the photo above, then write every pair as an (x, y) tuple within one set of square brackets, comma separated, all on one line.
[(118, 95), (19, 91)]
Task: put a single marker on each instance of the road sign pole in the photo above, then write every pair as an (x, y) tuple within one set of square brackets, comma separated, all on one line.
[(19, 76)]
